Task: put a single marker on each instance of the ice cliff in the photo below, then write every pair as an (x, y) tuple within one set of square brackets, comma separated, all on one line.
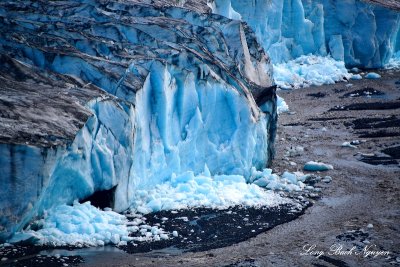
[(124, 95), (359, 33)]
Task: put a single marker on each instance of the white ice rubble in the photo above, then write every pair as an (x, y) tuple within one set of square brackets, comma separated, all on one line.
[(189, 191), (282, 106), (84, 225), (309, 70)]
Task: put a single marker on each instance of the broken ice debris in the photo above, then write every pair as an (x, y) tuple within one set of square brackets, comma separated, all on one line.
[(348, 144), (327, 179), (356, 77), (313, 166), (294, 151), (372, 75), (282, 106)]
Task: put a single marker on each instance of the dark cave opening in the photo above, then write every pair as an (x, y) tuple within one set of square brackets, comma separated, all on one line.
[(101, 199)]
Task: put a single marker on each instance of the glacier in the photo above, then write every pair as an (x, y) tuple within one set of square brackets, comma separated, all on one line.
[(360, 34), (164, 103), (124, 96)]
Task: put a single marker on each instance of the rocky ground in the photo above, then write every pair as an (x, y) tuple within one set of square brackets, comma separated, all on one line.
[(359, 210)]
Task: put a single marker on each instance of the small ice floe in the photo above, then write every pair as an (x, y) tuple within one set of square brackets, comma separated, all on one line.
[(317, 166), (356, 77), (175, 233), (355, 70), (370, 225), (372, 75), (349, 85)]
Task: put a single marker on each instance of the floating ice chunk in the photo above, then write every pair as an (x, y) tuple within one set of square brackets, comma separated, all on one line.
[(317, 166), (355, 70), (175, 233), (356, 77), (372, 75), (370, 225)]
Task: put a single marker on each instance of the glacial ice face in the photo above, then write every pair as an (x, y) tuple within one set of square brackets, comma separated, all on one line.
[(169, 90), (359, 33)]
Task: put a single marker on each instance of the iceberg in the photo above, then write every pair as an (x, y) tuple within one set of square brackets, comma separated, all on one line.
[(356, 32), (126, 96)]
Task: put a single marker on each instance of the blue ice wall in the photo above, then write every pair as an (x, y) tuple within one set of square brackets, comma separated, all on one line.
[(359, 33), (185, 89)]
